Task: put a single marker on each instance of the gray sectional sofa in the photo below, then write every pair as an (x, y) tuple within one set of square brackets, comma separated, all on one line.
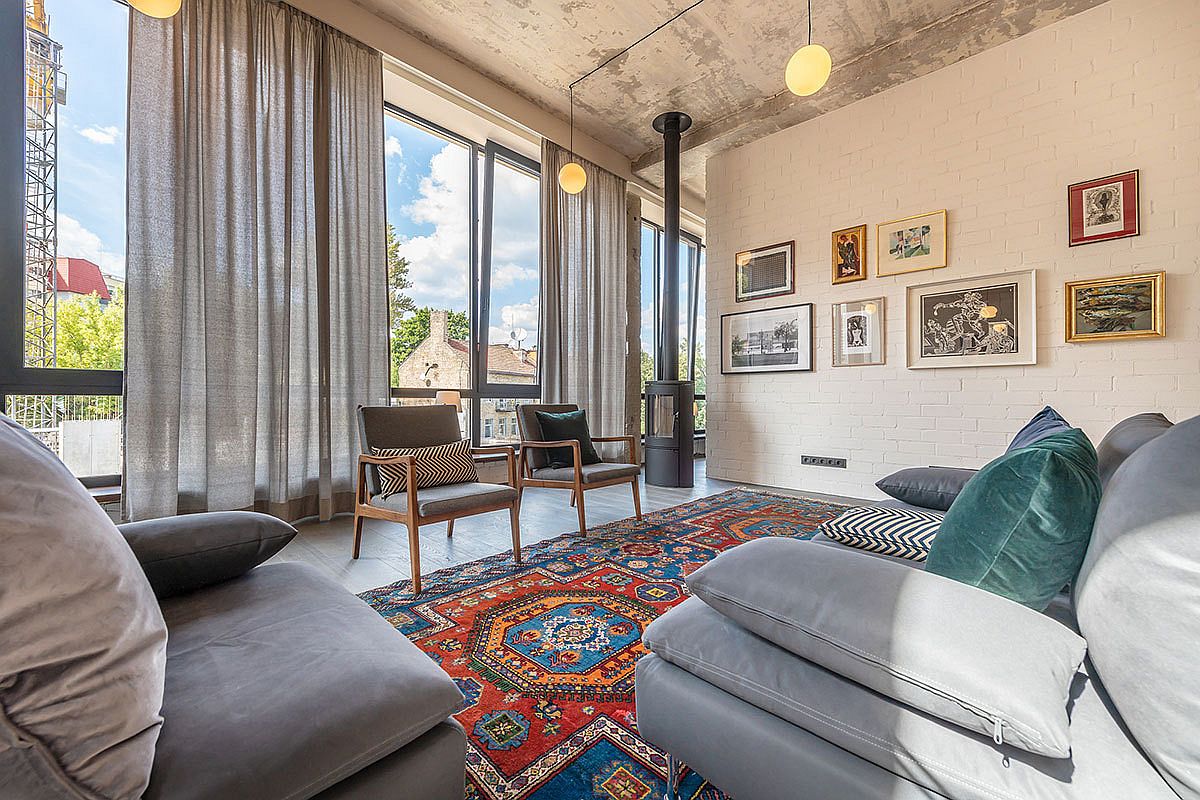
[(884, 702)]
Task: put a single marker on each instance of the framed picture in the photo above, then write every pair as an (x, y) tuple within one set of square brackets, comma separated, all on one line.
[(1102, 209), (770, 340), (985, 321), (849, 254), (911, 244), (1128, 307), (765, 272), (859, 337)]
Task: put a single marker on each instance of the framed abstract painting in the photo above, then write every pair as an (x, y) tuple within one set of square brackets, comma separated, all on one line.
[(1126, 307), (1103, 209), (911, 244), (859, 333), (984, 321), (849, 246)]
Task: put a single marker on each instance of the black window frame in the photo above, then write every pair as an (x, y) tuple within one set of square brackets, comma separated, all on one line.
[(482, 156)]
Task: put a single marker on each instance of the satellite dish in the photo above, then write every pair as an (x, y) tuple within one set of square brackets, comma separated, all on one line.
[(518, 336)]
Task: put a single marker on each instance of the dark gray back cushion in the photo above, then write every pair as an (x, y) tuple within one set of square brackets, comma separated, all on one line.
[(1137, 599), (82, 640), (926, 487), (1125, 437), (391, 427), (531, 428)]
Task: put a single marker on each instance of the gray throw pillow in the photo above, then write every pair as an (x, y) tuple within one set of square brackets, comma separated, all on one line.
[(927, 487), (83, 661), (966, 656)]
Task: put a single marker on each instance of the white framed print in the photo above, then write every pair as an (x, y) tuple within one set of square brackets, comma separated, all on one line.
[(768, 340), (983, 321), (859, 333)]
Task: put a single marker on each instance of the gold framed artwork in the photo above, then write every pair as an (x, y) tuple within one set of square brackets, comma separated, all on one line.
[(849, 246), (911, 244), (1125, 307), (859, 333)]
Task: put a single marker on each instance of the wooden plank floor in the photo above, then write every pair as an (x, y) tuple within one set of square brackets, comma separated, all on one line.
[(545, 513)]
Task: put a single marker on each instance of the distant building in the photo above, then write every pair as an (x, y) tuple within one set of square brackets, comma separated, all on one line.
[(440, 362), (78, 277)]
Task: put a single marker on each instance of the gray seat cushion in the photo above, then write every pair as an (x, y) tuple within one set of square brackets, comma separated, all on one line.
[(1126, 437), (281, 683), (453, 498), (592, 473), (940, 756), (82, 641), (1137, 601)]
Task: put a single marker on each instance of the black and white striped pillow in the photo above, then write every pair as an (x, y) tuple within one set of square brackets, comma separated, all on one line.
[(900, 532), (438, 465)]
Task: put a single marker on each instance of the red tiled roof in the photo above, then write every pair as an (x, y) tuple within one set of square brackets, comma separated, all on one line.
[(80, 276), (503, 359)]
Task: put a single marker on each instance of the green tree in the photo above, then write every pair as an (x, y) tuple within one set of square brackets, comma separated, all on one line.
[(91, 335), (413, 329), (399, 303)]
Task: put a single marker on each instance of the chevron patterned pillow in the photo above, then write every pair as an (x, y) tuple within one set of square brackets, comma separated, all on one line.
[(896, 532), (438, 465)]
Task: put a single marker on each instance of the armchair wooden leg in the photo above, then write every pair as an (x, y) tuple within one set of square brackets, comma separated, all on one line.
[(637, 498), (358, 528), (414, 556), (572, 497), (449, 528), (579, 509), (514, 516)]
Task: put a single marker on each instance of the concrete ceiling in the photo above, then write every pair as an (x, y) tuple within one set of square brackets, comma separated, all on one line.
[(721, 62)]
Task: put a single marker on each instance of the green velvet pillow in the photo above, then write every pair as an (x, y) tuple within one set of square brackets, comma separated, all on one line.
[(567, 425), (1021, 526)]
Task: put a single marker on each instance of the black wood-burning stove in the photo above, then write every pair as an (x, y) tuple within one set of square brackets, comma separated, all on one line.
[(670, 413)]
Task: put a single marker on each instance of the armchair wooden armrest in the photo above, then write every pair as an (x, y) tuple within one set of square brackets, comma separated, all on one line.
[(628, 440), (510, 456), (410, 470), (571, 443)]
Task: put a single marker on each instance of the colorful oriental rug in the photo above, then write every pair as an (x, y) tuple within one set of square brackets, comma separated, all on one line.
[(545, 652)]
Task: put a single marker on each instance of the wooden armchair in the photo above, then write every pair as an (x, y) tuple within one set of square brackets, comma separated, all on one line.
[(533, 468), (394, 427)]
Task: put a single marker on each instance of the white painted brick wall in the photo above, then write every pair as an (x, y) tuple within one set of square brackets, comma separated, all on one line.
[(995, 139)]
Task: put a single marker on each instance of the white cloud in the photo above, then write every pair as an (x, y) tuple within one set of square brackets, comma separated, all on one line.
[(439, 261), (76, 241), (513, 317), (505, 275), (101, 134), (391, 147)]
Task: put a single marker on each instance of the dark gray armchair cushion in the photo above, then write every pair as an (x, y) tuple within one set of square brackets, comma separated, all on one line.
[(1137, 598), (454, 498), (188, 552), (390, 427), (82, 640), (926, 487), (961, 654), (531, 428), (1126, 437)]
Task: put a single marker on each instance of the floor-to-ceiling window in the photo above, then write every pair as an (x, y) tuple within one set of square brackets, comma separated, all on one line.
[(692, 364), (63, 298), (463, 273)]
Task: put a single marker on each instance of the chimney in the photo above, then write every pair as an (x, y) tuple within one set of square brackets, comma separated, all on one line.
[(439, 325)]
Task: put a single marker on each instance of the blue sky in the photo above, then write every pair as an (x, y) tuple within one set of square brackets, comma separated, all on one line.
[(91, 145)]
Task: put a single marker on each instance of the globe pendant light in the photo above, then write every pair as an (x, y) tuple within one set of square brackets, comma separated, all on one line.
[(809, 67), (157, 8), (572, 178)]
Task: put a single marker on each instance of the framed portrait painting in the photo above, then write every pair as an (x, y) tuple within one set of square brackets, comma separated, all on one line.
[(1127, 307), (765, 272), (770, 340), (849, 247), (1103, 209), (859, 333), (911, 244), (984, 321)]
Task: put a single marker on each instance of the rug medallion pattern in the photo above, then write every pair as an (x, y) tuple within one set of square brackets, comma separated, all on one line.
[(545, 652)]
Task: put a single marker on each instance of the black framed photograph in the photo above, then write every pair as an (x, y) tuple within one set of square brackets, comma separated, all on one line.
[(859, 333), (769, 340), (765, 272)]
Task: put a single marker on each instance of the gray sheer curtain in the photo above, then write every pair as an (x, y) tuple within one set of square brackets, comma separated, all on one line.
[(257, 314), (584, 293)]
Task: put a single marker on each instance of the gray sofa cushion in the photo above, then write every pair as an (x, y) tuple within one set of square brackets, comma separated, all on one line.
[(592, 473), (1137, 598), (281, 683), (452, 499), (188, 552), (1125, 437), (1104, 765), (82, 642), (926, 487), (992, 666)]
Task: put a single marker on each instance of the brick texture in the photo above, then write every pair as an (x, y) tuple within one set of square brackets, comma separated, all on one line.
[(995, 139)]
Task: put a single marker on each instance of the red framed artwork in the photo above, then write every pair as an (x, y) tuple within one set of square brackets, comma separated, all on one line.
[(1104, 208)]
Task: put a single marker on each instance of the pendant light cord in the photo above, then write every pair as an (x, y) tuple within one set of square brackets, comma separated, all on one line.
[(614, 57), (571, 149), (810, 21)]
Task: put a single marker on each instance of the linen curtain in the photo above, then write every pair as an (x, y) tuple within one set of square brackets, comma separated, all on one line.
[(257, 313), (584, 294)]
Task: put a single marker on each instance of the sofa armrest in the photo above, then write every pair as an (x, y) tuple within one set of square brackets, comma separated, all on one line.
[(960, 653), (183, 553)]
